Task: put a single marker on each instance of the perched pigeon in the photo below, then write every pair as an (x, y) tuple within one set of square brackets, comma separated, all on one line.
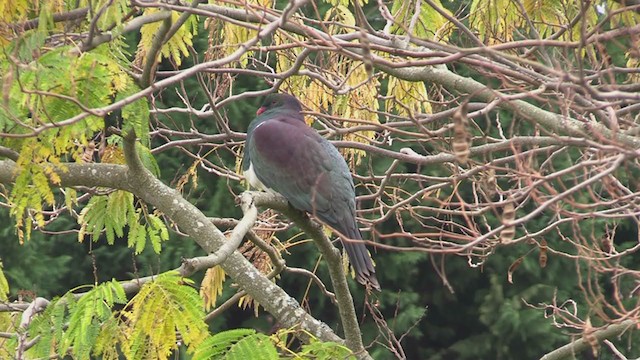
[(284, 155)]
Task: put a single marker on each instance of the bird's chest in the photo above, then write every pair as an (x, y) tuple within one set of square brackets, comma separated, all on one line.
[(253, 180)]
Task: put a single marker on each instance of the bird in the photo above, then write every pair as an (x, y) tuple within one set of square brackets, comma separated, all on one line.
[(284, 155)]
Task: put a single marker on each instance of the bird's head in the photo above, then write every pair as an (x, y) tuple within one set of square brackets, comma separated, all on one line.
[(280, 102)]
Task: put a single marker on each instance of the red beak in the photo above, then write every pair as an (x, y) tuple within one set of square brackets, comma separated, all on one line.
[(261, 110)]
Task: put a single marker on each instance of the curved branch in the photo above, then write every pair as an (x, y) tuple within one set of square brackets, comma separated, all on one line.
[(551, 121), (568, 351), (334, 261), (158, 41), (9, 153), (192, 221), (239, 231), (133, 25), (36, 306)]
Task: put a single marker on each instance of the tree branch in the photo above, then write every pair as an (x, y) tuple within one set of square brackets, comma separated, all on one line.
[(439, 74), (334, 261), (239, 231), (191, 220), (133, 25), (57, 17), (570, 350), (36, 306), (152, 55), (552, 122), (9, 153)]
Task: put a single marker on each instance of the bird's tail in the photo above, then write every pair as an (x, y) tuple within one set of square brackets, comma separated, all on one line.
[(360, 260)]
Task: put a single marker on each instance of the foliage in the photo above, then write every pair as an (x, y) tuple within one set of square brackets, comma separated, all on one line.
[(4, 286), (112, 213), (211, 286), (6, 320), (38, 95), (144, 329), (248, 344), (175, 48), (70, 325), (162, 307), (426, 22), (237, 344)]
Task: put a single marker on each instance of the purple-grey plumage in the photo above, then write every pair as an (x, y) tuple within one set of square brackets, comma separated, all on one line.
[(283, 154)]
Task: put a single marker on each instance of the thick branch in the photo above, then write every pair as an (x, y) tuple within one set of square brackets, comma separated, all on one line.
[(334, 261), (552, 122), (74, 14), (36, 306), (9, 153), (197, 226), (570, 350), (152, 54), (441, 75)]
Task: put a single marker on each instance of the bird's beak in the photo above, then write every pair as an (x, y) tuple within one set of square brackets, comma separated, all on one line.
[(261, 110)]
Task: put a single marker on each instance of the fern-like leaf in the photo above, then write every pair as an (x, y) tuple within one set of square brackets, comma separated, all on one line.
[(211, 286), (321, 350), (214, 347), (161, 308), (48, 327), (257, 346), (88, 314)]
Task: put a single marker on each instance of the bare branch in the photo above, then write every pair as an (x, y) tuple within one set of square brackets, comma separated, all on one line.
[(570, 350)]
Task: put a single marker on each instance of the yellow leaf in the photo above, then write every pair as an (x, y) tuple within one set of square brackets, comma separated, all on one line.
[(407, 98), (113, 155), (211, 286), (175, 47), (4, 285)]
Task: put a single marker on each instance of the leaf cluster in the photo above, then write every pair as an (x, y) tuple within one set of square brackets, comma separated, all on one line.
[(113, 213)]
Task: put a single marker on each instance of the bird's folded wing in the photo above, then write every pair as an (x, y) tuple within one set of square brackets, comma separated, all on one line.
[(293, 160)]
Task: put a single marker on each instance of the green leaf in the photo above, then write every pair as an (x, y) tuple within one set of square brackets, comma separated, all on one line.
[(48, 326), (257, 346), (157, 232), (161, 308), (326, 350), (147, 159), (4, 285), (214, 347), (87, 316), (177, 46), (135, 117), (41, 96), (429, 24)]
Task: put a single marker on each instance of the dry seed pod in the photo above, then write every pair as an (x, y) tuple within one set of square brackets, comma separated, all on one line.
[(513, 268), (87, 155), (542, 259), (488, 183), (367, 59), (508, 215), (461, 143), (7, 83), (605, 245)]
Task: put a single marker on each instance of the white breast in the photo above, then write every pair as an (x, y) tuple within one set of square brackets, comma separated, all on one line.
[(253, 180)]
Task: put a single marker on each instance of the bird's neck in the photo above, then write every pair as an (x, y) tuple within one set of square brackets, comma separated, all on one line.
[(274, 113)]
